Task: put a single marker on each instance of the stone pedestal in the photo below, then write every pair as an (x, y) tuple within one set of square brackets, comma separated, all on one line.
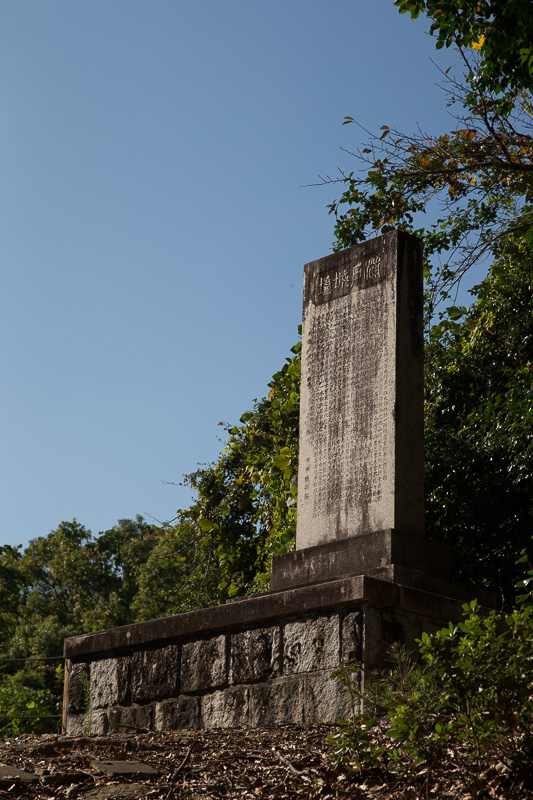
[(260, 661)]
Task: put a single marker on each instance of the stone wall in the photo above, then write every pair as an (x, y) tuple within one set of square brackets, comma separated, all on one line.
[(260, 661), (261, 676)]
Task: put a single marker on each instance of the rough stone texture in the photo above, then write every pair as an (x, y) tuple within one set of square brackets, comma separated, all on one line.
[(109, 682), (10, 774), (278, 702), (324, 700), (203, 665), (154, 674), (78, 688), (124, 768), (311, 644), (361, 406), (128, 791), (226, 709), (95, 722), (352, 637), (74, 725), (385, 627), (128, 718), (255, 655), (360, 555), (179, 714)]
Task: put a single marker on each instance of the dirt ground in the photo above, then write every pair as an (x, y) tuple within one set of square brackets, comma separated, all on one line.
[(288, 762)]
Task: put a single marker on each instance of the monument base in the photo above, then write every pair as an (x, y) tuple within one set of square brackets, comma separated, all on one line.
[(261, 660), (405, 558)]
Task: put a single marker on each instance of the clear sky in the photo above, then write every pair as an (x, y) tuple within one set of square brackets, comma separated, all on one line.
[(153, 228)]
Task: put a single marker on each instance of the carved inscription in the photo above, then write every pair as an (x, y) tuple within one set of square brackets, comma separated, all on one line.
[(350, 420), (361, 403), (348, 277)]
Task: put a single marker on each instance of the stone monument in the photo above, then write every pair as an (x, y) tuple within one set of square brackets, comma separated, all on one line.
[(361, 419), (362, 577)]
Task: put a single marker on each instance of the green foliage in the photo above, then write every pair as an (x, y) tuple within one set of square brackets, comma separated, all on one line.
[(246, 507), (502, 31), (469, 695), (62, 584), (353, 742), (477, 178), (27, 710), (479, 426)]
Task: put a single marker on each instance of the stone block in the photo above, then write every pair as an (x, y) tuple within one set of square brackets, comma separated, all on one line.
[(226, 709), (255, 655), (363, 555), (109, 682), (75, 725), (324, 701), (78, 688), (386, 628), (277, 702), (203, 665), (95, 722), (352, 637), (178, 714), (130, 718), (154, 674), (9, 775), (361, 459), (125, 768), (311, 644)]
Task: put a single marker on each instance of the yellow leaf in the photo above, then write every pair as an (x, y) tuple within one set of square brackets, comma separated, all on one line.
[(479, 44)]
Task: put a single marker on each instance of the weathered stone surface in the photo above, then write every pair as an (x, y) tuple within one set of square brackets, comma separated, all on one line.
[(226, 709), (361, 405), (95, 722), (255, 655), (124, 768), (154, 674), (352, 637), (78, 688), (9, 775), (172, 715), (311, 644), (277, 702), (203, 665), (324, 701), (121, 791), (386, 627), (109, 682), (360, 555), (63, 778), (74, 725), (130, 718)]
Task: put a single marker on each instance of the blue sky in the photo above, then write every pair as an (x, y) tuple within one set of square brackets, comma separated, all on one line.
[(154, 228)]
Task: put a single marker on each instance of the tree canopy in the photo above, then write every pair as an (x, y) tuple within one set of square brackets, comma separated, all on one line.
[(502, 30), (474, 182)]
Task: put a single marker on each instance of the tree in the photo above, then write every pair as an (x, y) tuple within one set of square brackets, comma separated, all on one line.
[(479, 425), (64, 584), (246, 506), (502, 30), (477, 178)]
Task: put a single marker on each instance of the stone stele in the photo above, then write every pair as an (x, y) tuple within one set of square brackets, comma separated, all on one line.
[(361, 410)]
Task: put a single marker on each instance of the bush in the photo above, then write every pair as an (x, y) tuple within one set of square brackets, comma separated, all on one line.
[(470, 695), (27, 710)]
